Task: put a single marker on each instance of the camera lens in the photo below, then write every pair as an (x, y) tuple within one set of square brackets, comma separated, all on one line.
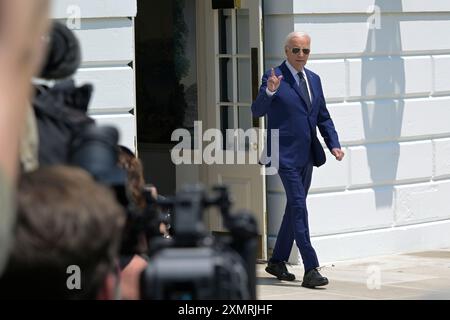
[(95, 150)]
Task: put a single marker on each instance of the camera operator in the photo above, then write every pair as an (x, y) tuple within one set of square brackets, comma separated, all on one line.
[(132, 263), (61, 109), (143, 225)]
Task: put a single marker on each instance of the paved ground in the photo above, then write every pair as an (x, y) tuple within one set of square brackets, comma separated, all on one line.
[(421, 275)]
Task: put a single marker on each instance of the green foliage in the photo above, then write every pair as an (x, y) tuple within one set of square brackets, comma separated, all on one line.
[(160, 94), (180, 33)]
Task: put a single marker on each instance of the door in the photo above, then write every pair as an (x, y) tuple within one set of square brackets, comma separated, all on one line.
[(233, 64)]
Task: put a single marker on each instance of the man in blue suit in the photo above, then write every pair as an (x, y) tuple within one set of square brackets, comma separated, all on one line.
[(291, 96)]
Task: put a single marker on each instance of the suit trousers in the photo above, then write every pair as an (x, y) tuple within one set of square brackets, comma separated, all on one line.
[(296, 182)]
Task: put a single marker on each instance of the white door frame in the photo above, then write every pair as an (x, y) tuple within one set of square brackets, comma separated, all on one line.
[(208, 103)]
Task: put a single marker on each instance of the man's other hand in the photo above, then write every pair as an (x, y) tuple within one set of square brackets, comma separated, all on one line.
[(273, 83), (338, 153)]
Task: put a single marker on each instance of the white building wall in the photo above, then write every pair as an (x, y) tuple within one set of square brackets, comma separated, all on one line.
[(386, 78), (106, 33)]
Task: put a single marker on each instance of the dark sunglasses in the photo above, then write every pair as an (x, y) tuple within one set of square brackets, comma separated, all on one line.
[(297, 50)]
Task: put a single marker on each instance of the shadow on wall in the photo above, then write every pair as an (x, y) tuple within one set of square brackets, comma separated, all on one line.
[(381, 79)]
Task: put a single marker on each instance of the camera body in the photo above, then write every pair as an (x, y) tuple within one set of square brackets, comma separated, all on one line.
[(202, 273), (196, 265)]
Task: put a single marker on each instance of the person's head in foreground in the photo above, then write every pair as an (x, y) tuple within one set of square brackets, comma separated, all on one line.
[(66, 238)]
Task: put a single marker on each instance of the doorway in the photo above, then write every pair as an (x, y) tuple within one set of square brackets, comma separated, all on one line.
[(231, 50), (166, 83), (173, 91)]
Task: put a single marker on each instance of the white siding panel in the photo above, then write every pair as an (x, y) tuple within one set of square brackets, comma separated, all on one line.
[(441, 74), (106, 41), (427, 32), (341, 212), (332, 75), (391, 120), (419, 237), (390, 162), (442, 159), (422, 203), (348, 120), (113, 88), (126, 125), (332, 6), (424, 6), (94, 8), (367, 79), (363, 6), (333, 37), (368, 121), (389, 76), (351, 34), (355, 34), (418, 75), (332, 175), (426, 117)]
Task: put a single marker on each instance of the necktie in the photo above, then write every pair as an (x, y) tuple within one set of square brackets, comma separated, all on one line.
[(304, 90)]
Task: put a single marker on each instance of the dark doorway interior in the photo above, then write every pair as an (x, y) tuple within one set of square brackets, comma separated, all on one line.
[(166, 83)]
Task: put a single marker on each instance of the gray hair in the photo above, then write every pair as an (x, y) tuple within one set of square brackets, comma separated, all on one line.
[(295, 34)]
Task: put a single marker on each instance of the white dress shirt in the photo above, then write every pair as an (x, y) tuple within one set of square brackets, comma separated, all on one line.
[(296, 77)]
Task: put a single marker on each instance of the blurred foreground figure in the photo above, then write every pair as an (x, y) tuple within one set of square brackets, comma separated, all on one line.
[(22, 25), (66, 240)]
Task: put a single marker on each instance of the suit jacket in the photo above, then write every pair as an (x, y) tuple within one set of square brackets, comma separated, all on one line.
[(288, 112)]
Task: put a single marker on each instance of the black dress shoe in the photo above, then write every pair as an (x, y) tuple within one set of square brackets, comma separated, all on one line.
[(314, 279), (279, 270)]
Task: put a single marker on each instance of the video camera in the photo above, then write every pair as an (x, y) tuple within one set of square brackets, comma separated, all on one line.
[(197, 265), (95, 149), (193, 264)]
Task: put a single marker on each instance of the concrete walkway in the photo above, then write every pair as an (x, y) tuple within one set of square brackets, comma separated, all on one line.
[(420, 275)]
